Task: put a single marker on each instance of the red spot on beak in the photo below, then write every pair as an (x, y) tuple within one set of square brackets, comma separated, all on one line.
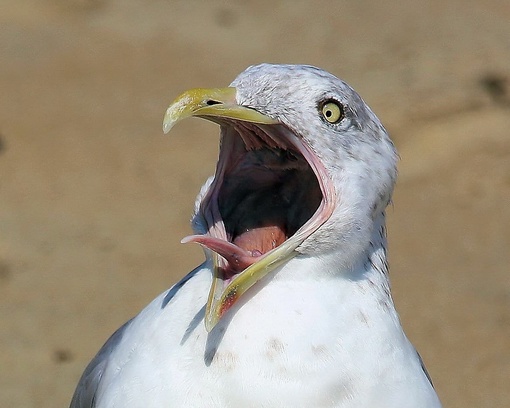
[(228, 301)]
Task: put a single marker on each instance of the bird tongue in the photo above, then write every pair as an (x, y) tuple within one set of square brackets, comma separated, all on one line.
[(258, 241), (246, 249)]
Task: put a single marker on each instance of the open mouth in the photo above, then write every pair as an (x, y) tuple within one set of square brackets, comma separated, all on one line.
[(269, 194), (264, 191)]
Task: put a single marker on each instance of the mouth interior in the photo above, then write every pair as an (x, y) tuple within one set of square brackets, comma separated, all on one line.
[(264, 191)]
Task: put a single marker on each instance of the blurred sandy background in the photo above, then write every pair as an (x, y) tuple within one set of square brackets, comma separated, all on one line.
[(94, 199)]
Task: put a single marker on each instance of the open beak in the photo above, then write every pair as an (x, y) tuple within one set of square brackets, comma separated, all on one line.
[(236, 269)]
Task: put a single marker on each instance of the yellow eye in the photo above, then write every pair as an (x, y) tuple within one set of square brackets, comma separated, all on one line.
[(332, 111)]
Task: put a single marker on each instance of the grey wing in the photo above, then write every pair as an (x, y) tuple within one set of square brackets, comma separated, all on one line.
[(424, 368), (86, 390)]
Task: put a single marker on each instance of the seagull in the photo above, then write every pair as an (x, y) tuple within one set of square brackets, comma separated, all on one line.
[(292, 305)]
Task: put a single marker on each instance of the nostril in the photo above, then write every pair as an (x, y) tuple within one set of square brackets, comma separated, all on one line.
[(212, 102)]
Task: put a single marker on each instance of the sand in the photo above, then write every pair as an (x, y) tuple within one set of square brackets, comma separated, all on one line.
[(94, 199)]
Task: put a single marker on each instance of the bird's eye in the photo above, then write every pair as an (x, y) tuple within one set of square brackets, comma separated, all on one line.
[(332, 111)]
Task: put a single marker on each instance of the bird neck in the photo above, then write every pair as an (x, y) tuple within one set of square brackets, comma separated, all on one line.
[(369, 261), (356, 297), (351, 296)]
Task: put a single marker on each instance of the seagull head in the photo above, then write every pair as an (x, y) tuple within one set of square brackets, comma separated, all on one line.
[(305, 168)]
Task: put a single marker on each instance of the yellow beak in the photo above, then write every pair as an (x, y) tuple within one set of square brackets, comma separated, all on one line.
[(217, 105), (212, 104)]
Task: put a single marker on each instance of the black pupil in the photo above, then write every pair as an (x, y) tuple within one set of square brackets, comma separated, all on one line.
[(328, 113)]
